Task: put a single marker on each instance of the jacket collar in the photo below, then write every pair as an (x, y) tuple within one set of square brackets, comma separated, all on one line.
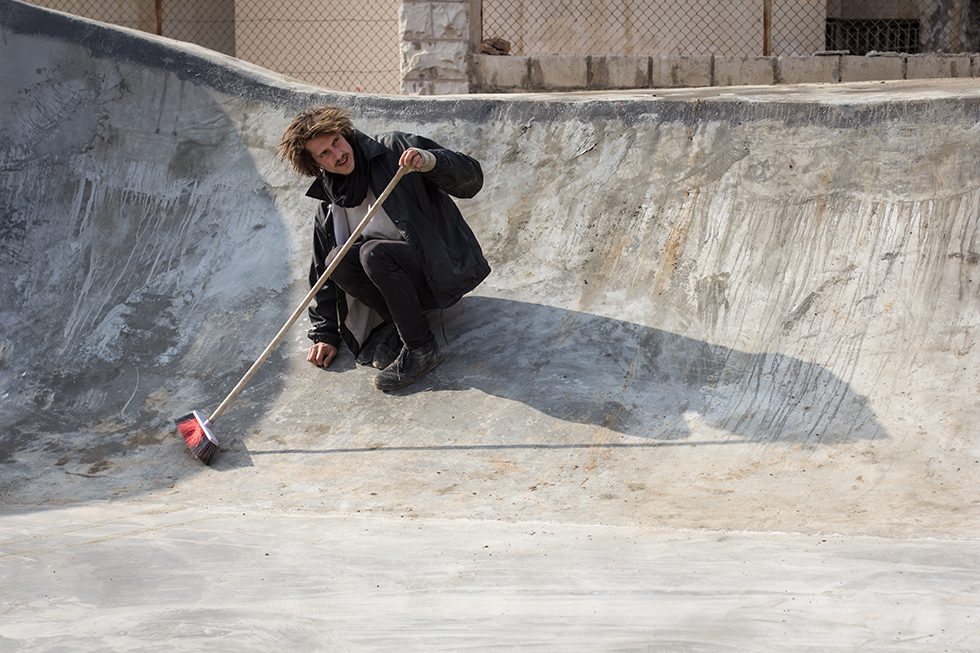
[(371, 149)]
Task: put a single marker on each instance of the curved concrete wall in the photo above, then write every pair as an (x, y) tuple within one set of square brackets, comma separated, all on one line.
[(750, 310)]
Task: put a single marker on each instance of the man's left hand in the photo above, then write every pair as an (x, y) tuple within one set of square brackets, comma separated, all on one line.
[(417, 159)]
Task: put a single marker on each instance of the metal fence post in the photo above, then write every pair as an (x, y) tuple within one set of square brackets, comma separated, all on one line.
[(766, 27), (476, 25)]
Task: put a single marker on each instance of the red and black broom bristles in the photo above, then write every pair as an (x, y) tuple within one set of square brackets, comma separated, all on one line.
[(197, 433)]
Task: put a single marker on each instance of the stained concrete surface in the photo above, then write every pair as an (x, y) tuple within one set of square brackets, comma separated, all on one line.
[(719, 392)]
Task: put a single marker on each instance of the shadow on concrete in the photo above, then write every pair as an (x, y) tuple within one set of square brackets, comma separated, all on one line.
[(664, 389), (645, 382)]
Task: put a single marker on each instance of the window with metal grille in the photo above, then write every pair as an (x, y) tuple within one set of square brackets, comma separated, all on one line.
[(863, 36)]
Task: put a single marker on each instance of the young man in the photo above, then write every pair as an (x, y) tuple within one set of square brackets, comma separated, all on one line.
[(416, 254)]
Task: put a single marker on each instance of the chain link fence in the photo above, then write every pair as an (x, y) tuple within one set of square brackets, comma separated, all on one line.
[(346, 45), (353, 45), (732, 27)]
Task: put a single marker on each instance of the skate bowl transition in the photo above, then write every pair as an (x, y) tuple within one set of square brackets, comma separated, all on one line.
[(720, 391)]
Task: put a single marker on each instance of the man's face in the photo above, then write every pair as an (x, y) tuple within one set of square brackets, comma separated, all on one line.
[(332, 152)]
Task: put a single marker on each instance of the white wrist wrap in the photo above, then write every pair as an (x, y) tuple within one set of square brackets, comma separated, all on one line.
[(428, 160)]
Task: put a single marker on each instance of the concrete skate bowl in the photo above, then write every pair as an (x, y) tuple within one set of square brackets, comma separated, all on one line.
[(745, 309), (129, 205)]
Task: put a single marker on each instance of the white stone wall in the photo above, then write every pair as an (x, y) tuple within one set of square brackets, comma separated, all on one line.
[(435, 46)]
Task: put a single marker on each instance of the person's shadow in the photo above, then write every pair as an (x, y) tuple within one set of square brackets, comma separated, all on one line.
[(641, 381)]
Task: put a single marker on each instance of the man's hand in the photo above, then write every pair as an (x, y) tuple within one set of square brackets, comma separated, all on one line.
[(321, 354), (416, 159)]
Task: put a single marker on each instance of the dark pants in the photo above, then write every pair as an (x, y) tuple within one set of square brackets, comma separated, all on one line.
[(386, 275)]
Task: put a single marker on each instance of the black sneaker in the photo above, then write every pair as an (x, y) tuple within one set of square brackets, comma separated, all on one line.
[(388, 349), (410, 365)]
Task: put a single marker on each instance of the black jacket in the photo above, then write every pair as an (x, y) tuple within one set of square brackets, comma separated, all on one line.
[(421, 208)]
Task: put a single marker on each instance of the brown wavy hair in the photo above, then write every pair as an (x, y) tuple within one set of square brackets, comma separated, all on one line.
[(311, 123)]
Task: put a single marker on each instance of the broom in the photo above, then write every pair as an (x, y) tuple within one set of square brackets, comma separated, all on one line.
[(197, 430)]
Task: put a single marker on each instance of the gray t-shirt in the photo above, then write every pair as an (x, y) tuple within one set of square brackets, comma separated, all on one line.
[(380, 228)]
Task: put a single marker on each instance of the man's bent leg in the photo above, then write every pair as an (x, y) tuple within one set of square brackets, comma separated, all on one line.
[(394, 269), (353, 280)]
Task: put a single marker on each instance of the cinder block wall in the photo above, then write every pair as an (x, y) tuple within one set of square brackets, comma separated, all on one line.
[(440, 54), (495, 74)]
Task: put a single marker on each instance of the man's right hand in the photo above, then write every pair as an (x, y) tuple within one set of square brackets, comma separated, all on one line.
[(321, 354)]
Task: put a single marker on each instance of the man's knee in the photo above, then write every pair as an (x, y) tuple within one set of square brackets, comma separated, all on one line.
[(379, 257)]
